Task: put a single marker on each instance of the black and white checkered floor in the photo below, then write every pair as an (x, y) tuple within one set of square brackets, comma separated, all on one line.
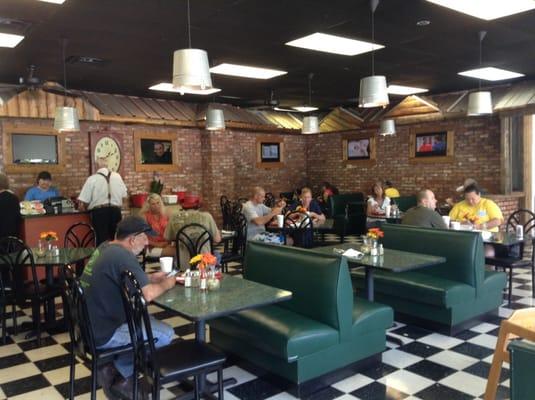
[(428, 365)]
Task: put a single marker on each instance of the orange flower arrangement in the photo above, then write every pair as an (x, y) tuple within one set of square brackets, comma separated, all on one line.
[(49, 236), (203, 260), (375, 233), (301, 209)]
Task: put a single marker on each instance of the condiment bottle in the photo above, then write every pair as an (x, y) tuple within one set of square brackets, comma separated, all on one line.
[(203, 278), (187, 278)]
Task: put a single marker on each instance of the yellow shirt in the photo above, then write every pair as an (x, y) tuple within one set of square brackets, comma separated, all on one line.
[(484, 211), (391, 192)]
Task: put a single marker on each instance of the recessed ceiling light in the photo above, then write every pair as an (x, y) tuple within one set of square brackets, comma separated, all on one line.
[(305, 108), (487, 9), (168, 87), (334, 44), (54, 1), (282, 109), (405, 90), (491, 74), (423, 22), (245, 71), (10, 40)]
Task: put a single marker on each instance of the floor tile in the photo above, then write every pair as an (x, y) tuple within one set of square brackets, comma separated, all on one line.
[(10, 349), (328, 393), (453, 360), (399, 359), (48, 393), (412, 332), (12, 360), (378, 391), (484, 340), (440, 341), (24, 385), (431, 370), (61, 375), (378, 371), (352, 383), (465, 382), (18, 372), (256, 389), (438, 391), (406, 381), (482, 369), (46, 352), (52, 363), (473, 350), (420, 349)]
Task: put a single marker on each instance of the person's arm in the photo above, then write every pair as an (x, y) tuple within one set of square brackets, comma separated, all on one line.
[(157, 286), (252, 216), (82, 205), (437, 221), (495, 216), (29, 195), (493, 223), (370, 208)]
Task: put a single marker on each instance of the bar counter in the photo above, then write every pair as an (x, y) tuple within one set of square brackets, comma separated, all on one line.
[(33, 225)]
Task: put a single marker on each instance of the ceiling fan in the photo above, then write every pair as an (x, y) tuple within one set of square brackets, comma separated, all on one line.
[(32, 82)]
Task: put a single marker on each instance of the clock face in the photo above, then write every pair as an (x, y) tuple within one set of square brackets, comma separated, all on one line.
[(107, 147)]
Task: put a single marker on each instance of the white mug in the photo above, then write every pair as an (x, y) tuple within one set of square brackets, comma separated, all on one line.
[(166, 264), (455, 225), (280, 220), (388, 209), (446, 219)]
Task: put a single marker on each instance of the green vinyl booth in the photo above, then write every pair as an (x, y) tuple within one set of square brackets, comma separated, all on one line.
[(321, 329), (451, 296), (522, 384), (348, 211)]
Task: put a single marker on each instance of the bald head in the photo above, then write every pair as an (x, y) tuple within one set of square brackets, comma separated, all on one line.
[(259, 194), (427, 199)]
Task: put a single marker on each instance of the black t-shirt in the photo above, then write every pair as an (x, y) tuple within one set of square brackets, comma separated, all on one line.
[(101, 281), (9, 214)]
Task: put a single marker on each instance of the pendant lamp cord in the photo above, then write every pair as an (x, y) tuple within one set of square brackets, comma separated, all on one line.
[(482, 35), (63, 45), (310, 76), (373, 7), (189, 27)]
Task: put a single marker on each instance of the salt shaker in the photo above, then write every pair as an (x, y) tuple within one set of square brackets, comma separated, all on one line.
[(519, 232), (381, 250), (187, 278)]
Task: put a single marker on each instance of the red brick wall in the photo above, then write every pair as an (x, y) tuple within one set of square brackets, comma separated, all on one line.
[(476, 155)]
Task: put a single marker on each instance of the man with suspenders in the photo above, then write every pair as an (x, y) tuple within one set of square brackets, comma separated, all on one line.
[(102, 194)]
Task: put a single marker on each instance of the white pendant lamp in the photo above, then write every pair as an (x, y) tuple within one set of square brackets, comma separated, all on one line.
[(66, 118), (310, 125), (191, 69), (373, 91), (480, 102), (387, 127), (215, 119)]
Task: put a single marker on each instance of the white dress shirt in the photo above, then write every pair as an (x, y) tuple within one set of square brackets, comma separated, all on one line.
[(95, 190)]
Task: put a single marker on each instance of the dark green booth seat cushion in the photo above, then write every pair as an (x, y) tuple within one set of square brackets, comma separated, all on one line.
[(370, 317), (493, 282), (418, 287), (278, 331)]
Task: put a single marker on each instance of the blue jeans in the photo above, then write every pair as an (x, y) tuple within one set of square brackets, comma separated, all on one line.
[(162, 333)]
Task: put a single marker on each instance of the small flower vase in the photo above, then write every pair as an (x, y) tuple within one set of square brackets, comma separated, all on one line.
[(41, 248), (49, 248)]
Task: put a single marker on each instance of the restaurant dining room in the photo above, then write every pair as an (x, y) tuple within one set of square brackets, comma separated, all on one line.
[(260, 200)]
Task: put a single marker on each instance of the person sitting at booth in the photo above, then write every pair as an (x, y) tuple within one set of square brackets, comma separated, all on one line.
[(154, 212), (43, 189), (258, 214), (424, 213)]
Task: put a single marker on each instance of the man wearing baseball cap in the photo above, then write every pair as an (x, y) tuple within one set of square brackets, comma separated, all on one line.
[(101, 281)]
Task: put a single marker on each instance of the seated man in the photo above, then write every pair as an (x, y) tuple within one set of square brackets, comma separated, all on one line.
[(181, 218), (102, 280), (258, 214), (424, 213), (313, 210)]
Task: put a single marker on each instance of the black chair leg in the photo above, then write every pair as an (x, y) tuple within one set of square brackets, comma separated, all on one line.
[(510, 284), (36, 314), (220, 383), (4, 323), (14, 317), (197, 381), (94, 368), (72, 373), (532, 280)]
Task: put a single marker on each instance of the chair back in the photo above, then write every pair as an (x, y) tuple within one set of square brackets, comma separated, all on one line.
[(78, 319), (269, 200), (15, 256), (239, 242), (526, 219), (300, 227), (139, 326), (226, 211), (80, 235), (195, 239)]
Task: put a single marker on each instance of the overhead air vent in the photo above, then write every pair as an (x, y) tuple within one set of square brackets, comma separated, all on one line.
[(86, 60), (12, 25)]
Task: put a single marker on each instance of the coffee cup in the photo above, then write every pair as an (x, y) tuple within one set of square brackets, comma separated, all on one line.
[(166, 264), (456, 225), (388, 210), (446, 219), (280, 221)]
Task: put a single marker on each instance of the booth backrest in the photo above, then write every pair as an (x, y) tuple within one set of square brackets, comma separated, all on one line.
[(463, 250), (405, 202), (338, 202), (320, 284)]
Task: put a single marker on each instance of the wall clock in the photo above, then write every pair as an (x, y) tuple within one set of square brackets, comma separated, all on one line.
[(108, 145)]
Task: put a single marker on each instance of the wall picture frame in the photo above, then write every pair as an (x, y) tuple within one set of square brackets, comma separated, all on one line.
[(155, 152), (269, 152), (359, 149), (431, 146)]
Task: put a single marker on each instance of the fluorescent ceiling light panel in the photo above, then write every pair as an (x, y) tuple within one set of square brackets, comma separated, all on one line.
[(334, 44), (10, 40), (246, 71), (405, 90), (305, 108), (491, 74), (487, 9), (54, 1), (168, 87)]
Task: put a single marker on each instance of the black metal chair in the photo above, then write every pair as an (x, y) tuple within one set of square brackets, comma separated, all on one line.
[(515, 259), (195, 239), (269, 200), (7, 289), (300, 227), (226, 211), (81, 332), (80, 235), (236, 252), (17, 262), (177, 361)]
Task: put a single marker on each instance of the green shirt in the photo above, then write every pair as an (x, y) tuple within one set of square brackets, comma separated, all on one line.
[(424, 217)]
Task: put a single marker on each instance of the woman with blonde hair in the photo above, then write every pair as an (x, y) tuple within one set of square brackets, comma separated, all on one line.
[(377, 204), (153, 211)]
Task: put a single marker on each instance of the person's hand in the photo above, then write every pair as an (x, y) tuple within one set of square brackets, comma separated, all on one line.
[(157, 276), (276, 210)]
